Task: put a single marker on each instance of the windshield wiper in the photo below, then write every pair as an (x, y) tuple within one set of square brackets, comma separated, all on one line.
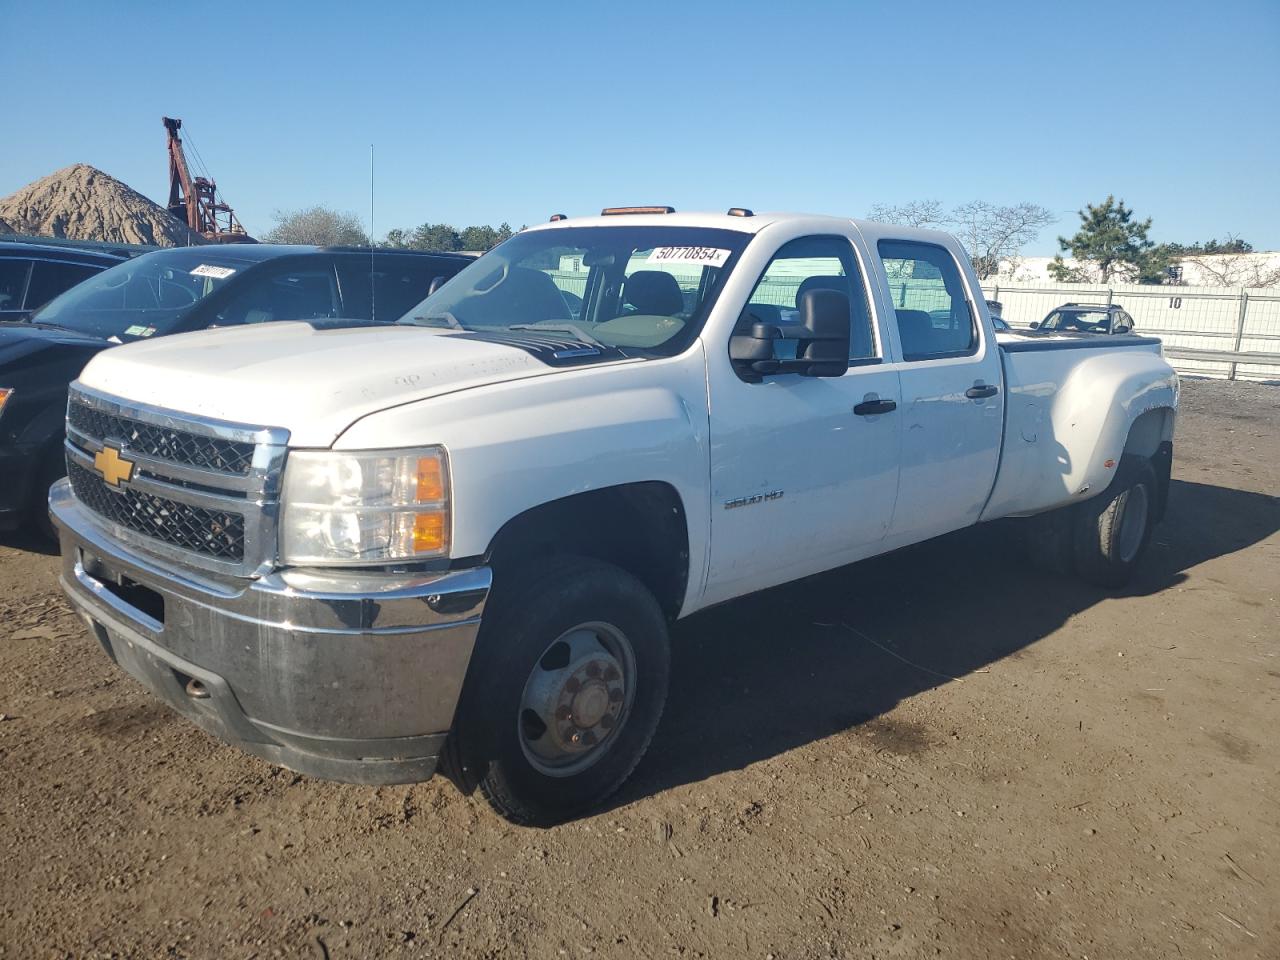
[(559, 326)]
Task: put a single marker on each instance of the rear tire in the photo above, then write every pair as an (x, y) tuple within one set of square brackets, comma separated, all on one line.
[(565, 689), (1113, 529)]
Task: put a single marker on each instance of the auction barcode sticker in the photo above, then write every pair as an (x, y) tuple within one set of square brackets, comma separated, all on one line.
[(702, 256), (209, 270)]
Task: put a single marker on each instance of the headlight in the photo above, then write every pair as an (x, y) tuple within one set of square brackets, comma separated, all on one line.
[(366, 507)]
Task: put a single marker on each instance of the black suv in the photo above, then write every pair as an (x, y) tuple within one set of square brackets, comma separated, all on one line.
[(176, 291), (34, 271)]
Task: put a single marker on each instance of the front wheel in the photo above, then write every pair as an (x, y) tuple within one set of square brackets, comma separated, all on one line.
[(1113, 529), (565, 689)]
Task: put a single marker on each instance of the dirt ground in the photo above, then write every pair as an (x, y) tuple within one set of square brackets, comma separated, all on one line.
[(936, 753)]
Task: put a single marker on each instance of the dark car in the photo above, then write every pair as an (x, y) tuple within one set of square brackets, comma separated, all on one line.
[(33, 272), (1086, 318), (176, 291)]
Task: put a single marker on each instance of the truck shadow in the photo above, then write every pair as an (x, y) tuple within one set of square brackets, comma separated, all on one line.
[(780, 669)]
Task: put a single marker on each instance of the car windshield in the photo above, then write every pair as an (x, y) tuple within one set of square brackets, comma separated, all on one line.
[(644, 290), (1077, 321), (140, 298)]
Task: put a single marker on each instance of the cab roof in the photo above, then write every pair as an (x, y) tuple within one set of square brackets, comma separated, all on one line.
[(871, 229)]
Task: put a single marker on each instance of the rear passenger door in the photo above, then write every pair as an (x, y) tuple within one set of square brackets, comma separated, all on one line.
[(952, 410)]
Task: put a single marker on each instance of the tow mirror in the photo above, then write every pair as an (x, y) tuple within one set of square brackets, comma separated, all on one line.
[(824, 314), (822, 340)]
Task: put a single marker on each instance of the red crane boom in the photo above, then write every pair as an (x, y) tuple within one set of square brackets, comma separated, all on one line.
[(194, 200)]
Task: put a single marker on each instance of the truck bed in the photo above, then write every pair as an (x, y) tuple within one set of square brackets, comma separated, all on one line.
[(1064, 429)]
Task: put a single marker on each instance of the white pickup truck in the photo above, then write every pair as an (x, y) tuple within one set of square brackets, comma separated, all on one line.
[(458, 542)]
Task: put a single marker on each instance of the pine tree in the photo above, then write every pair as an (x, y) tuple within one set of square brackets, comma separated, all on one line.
[(1111, 245)]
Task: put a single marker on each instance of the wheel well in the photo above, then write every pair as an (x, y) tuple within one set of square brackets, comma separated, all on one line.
[(1148, 432), (639, 527), (1151, 437)]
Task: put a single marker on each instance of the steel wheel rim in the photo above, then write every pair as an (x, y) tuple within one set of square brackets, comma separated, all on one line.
[(577, 699), (1133, 523)]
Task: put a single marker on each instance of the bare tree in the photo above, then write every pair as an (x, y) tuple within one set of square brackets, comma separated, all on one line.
[(992, 233), (1240, 268), (318, 225), (917, 213)]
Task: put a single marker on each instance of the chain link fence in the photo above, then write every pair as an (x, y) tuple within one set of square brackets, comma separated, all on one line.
[(1231, 332)]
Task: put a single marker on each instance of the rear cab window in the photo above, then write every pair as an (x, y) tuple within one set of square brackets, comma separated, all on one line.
[(932, 307)]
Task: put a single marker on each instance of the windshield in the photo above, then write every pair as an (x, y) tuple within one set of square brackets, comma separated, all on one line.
[(1078, 321), (140, 298), (645, 290)]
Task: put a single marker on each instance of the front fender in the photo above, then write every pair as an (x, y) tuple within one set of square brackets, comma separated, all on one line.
[(518, 445)]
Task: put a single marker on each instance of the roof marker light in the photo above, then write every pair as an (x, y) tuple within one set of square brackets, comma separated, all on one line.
[(557, 217), (621, 211), (740, 212)]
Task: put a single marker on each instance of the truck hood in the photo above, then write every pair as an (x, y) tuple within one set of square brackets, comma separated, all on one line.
[(314, 383)]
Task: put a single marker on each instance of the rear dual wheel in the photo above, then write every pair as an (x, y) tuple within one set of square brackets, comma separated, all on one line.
[(1112, 531), (1101, 540), (565, 689)]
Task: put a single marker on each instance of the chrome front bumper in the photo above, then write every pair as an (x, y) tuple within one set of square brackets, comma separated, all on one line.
[(346, 676)]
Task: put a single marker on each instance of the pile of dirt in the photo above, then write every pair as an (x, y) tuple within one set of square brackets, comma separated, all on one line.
[(81, 202)]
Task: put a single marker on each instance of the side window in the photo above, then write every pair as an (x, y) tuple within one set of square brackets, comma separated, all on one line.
[(399, 282), (299, 292), (50, 279), (13, 281), (934, 319), (811, 263)]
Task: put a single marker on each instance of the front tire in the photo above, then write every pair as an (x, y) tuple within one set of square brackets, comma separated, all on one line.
[(565, 689), (1113, 529)]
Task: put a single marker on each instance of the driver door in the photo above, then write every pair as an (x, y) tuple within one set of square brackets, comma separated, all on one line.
[(804, 470)]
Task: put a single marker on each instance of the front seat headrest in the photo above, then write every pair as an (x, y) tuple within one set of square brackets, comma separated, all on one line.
[(839, 284), (654, 293)]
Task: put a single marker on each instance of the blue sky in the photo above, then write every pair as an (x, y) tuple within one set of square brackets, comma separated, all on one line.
[(484, 112)]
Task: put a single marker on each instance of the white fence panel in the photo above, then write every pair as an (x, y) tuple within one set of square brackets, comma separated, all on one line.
[(1221, 319)]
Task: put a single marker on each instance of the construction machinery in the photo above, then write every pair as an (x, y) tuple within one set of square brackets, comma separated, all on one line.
[(194, 200)]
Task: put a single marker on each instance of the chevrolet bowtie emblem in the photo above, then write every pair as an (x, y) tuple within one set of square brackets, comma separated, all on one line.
[(113, 467)]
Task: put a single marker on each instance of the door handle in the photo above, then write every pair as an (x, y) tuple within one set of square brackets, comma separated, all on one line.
[(981, 391), (870, 408)]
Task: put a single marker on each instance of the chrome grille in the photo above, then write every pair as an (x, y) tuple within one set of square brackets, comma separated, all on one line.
[(177, 446), (202, 491), (215, 533)]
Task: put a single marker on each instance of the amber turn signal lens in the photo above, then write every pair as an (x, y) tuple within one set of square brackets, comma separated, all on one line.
[(428, 532), (430, 480)]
